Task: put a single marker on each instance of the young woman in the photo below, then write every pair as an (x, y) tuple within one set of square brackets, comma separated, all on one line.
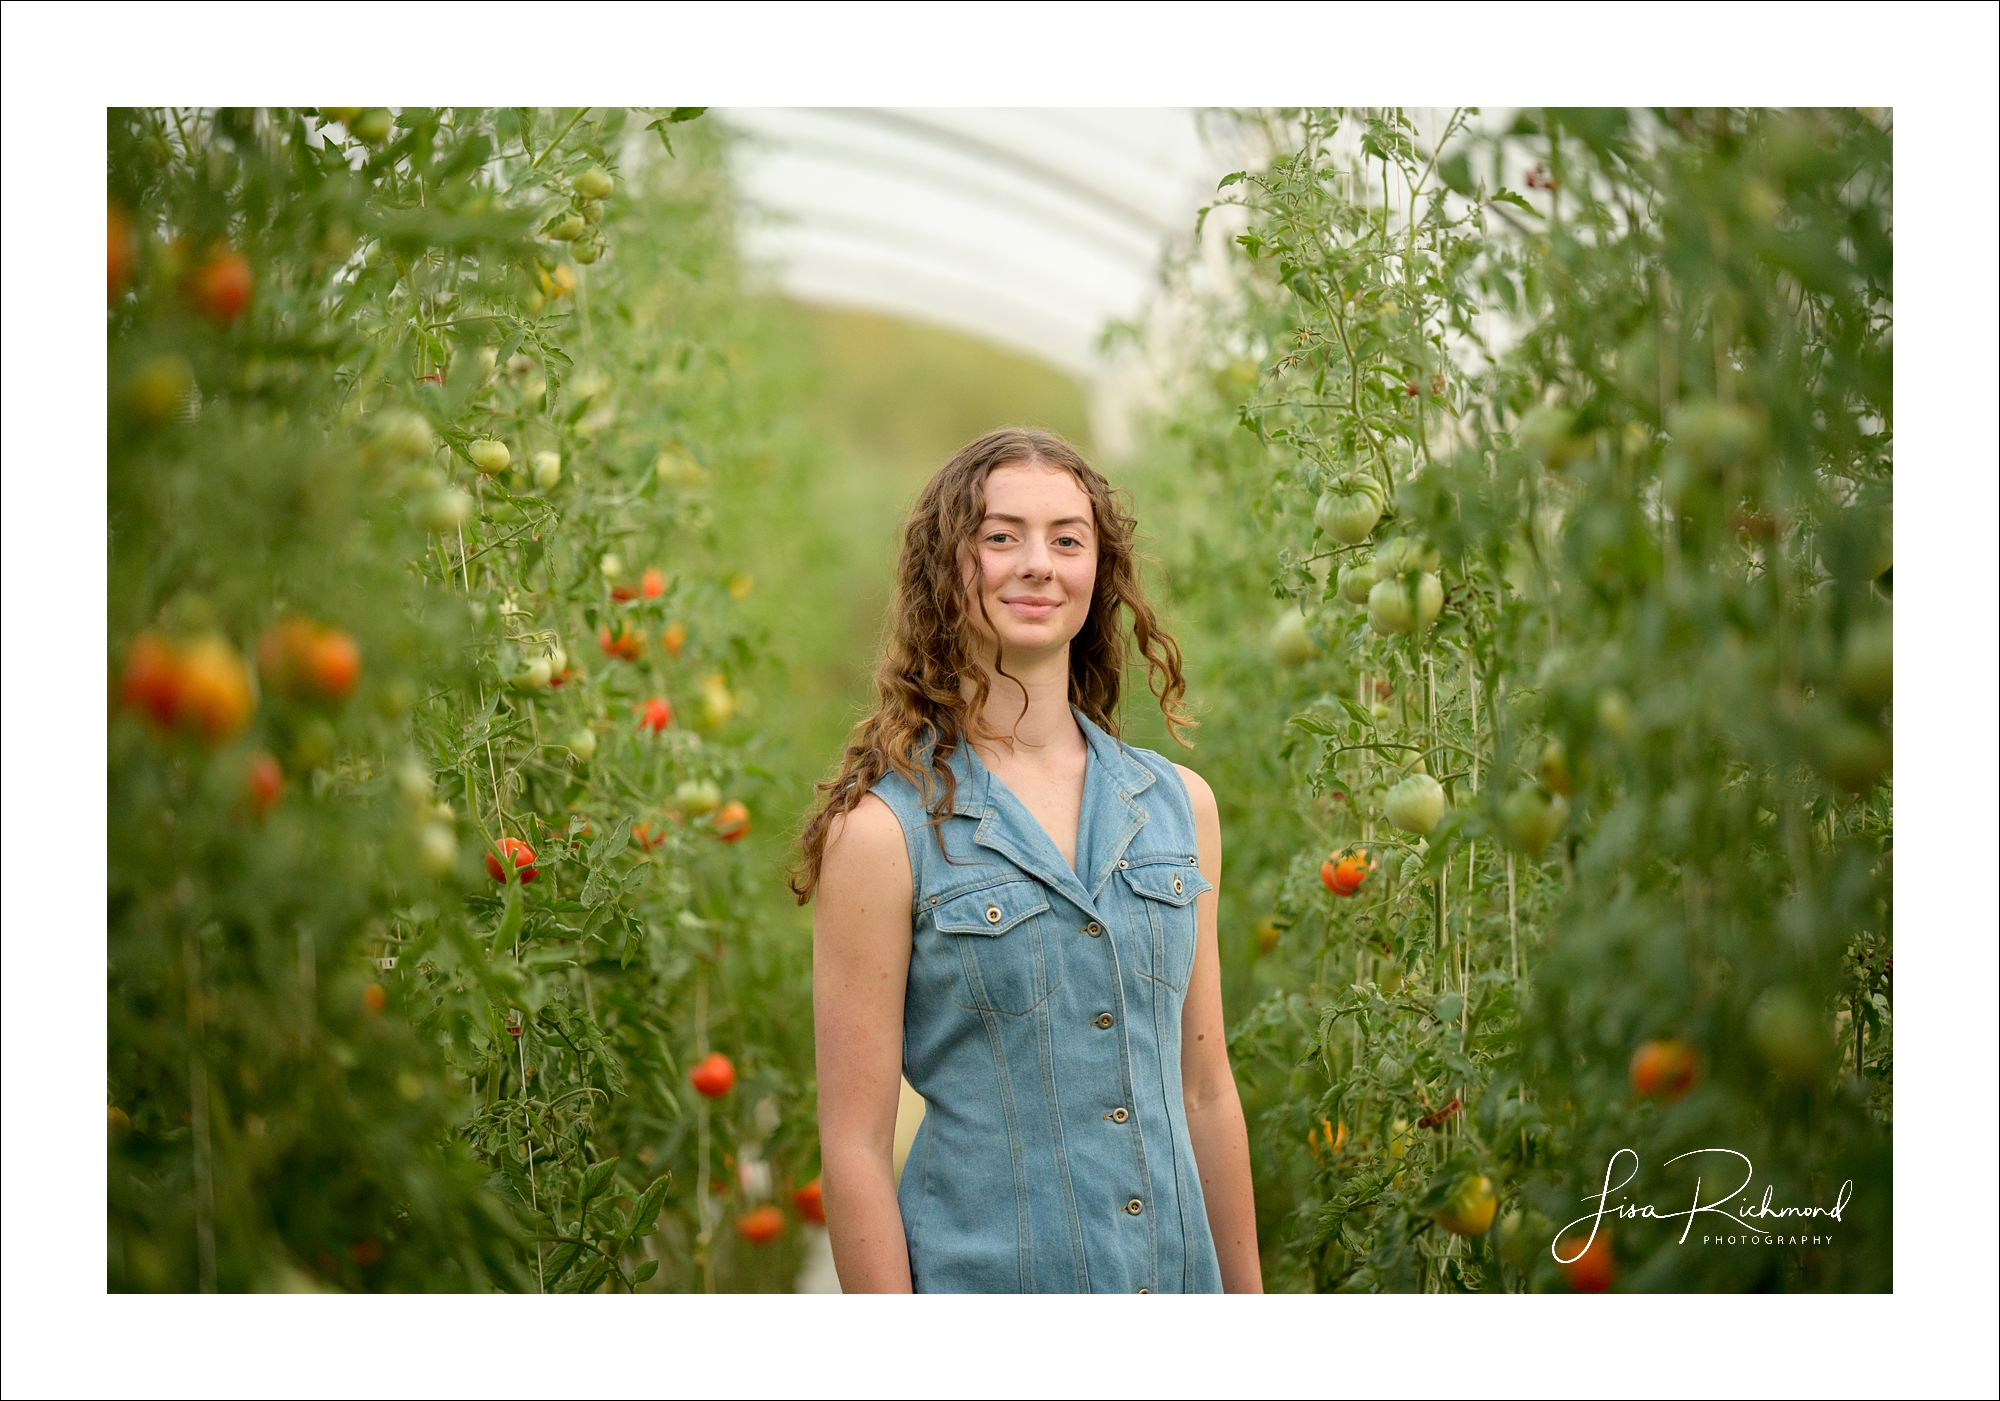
[(1016, 910)]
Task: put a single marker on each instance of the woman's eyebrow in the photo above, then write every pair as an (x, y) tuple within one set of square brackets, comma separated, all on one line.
[(1083, 521)]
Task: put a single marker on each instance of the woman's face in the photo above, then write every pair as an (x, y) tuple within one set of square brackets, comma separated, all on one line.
[(1036, 567)]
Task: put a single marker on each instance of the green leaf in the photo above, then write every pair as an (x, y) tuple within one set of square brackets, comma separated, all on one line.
[(595, 1177), (645, 1271), (559, 1261), (510, 919), (1509, 197)]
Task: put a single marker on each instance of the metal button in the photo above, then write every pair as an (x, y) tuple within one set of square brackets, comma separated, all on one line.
[(1144, 1290), (1102, 1019), (1093, 929), (1123, 864), (992, 914), (1177, 885), (1118, 1115), (1134, 1207), (934, 899), (1193, 859)]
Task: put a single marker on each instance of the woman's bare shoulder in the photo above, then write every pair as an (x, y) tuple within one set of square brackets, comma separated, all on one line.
[(865, 844)]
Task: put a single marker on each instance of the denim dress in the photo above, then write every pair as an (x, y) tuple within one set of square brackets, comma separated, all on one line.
[(1042, 1026)]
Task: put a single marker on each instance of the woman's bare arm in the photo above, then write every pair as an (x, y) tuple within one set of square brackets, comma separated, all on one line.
[(1208, 1086), (861, 964)]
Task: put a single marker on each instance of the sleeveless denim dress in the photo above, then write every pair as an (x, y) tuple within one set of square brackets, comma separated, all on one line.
[(1042, 1026)]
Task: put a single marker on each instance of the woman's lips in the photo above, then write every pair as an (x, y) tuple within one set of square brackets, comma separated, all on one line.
[(1031, 608)]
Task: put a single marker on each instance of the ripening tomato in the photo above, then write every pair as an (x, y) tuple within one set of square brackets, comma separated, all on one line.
[(652, 584), (628, 644), (674, 638), (1664, 1069), (333, 663), (519, 852), (731, 821), (119, 251), (810, 1203), (1469, 1212), (656, 714), (762, 1226), (216, 695), (152, 681), (263, 782), (1343, 875), (374, 997), (1590, 1271), (220, 288), (713, 1077), (647, 836)]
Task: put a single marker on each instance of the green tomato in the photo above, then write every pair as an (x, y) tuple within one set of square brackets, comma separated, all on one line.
[(583, 744), (592, 211), (586, 252), (405, 435), (1867, 668), (1548, 434), (594, 183), (1531, 816), (1349, 510), (1357, 579), (568, 228), (548, 469), (371, 125), (1791, 1035), (444, 509), (1855, 754), (437, 849), (534, 676), (1290, 642), (1614, 712), (698, 797), (489, 455), (1415, 804), (1405, 604)]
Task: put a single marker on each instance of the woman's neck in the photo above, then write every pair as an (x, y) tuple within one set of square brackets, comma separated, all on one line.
[(1042, 723)]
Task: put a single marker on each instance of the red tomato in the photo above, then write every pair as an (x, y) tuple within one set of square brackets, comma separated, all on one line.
[(221, 287), (714, 1077), (301, 659), (656, 715), (518, 851), (152, 681), (1592, 1271), (623, 593), (762, 1226), (809, 1202), (652, 583), (264, 782), (731, 821), (1664, 1070)]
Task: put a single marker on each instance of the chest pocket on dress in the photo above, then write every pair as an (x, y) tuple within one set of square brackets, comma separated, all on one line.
[(1008, 966), (1167, 887)]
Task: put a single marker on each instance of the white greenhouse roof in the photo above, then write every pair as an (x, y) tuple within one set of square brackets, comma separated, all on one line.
[(1027, 228)]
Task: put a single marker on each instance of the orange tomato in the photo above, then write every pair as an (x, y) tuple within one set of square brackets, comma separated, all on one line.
[(1592, 1271), (1343, 874), (652, 583), (809, 1202), (674, 638), (1664, 1070), (119, 239), (731, 821), (374, 997), (762, 1226), (216, 695), (713, 1077), (628, 644), (220, 288), (152, 681)]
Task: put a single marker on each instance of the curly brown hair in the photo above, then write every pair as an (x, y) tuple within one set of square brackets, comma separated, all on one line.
[(928, 648)]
